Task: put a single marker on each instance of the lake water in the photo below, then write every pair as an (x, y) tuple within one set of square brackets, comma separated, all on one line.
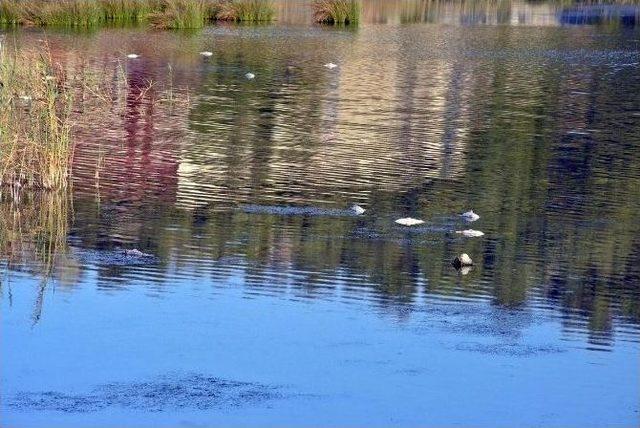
[(265, 300)]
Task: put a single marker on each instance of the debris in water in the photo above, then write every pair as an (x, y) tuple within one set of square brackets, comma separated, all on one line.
[(357, 209), (470, 216), (470, 233), (408, 221), (462, 260)]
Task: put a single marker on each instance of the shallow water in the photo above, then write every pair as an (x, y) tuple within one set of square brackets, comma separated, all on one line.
[(267, 301)]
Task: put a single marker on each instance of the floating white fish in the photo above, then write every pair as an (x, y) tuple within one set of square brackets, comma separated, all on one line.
[(330, 65), (25, 98), (470, 233), (470, 216), (250, 76), (464, 270), (462, 260), (357, 209), (133, 56), (408, 221), (206, 53)]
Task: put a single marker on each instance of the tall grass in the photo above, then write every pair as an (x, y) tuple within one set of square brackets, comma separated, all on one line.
[(11, 12), (35, 126), (184, 13), (160, 13), (127, 10), (246, 10), (336, 11)]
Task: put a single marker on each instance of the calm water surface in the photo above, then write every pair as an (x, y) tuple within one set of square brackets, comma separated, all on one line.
[(266, 302)]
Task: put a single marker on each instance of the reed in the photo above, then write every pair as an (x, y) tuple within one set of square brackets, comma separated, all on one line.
[(246, 10), (345, 12), (128, 11), (11, 12), (160, 13), (35, 125), (175, 14)]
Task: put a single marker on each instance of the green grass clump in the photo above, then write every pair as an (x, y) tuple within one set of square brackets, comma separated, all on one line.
[(336, 11), (246, 10), (160, 13), (11, 12), (128, 11), (184, 13), (72, 13), (35, 125)]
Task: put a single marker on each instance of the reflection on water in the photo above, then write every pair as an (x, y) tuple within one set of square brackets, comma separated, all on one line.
[(541, 141), (474, 12), (244, 188)]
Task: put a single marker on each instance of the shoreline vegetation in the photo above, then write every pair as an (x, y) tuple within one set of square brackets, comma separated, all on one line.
[(162, 14), (36, 102), (343, 12), (194, 14), (41, 103)]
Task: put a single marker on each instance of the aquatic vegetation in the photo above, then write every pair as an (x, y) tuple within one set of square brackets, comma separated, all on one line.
[(11, 12), (336, 11), (246, 10), (176, 14), (35, 127), (166, 14), (75, 13), (128, 10), (82, 13)]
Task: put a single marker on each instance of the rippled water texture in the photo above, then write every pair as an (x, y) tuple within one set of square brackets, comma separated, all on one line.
[(262, 299)]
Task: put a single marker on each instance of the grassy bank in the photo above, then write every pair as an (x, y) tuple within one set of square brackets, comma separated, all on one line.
[(336, 11), (35, 125), (158, 13)]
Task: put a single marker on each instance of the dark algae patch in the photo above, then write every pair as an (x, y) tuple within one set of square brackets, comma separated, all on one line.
[(162, 394)]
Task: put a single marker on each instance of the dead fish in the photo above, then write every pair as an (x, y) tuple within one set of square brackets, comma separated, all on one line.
[(357, 209), (408, 221), (250, 76), (206, 53), (330, 65), (470, 216), (462, 260), (470, 233)]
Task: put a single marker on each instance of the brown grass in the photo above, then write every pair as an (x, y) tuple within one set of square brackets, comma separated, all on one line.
[(35, 126), (336, 11)]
